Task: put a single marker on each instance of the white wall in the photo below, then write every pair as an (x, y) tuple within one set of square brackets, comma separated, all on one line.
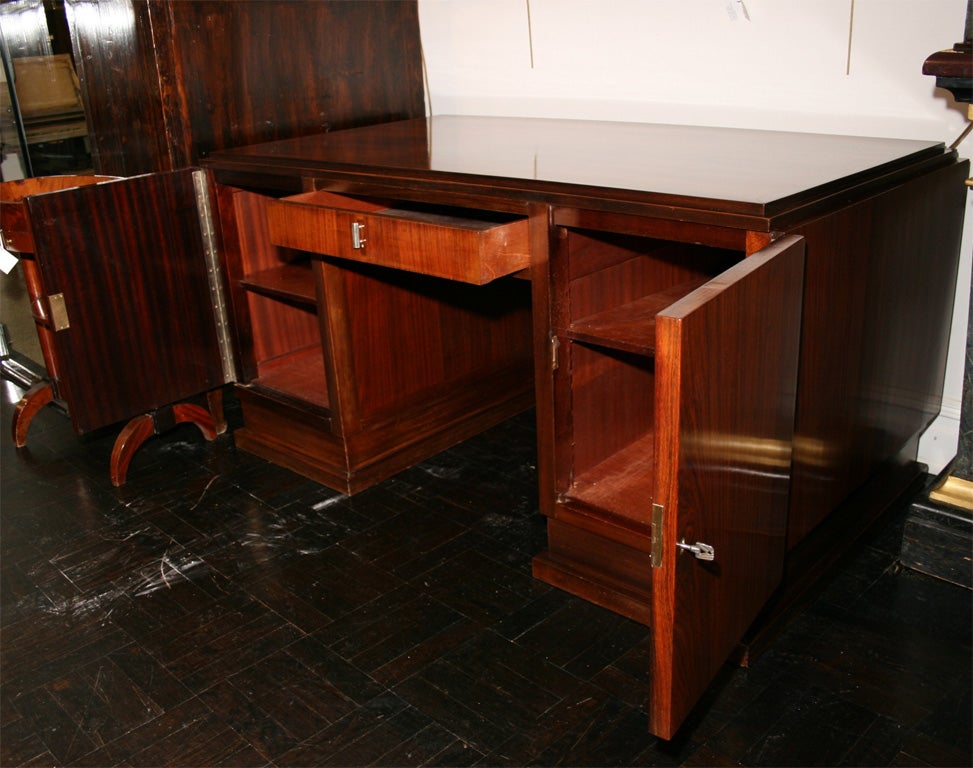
[(831, 66)]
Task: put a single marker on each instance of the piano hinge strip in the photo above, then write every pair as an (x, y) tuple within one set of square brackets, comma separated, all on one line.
[(656, 557), (215, 276)]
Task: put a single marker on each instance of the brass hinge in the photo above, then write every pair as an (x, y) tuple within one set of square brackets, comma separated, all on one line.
[(555, 345), (656, 556)]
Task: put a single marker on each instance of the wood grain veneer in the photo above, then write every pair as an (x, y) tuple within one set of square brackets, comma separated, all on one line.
[(722, 324), (167, 82)]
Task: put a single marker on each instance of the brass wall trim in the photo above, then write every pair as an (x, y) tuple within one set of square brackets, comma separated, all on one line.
[(955, 492)]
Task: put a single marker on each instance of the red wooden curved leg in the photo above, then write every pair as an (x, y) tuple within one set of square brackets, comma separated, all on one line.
[(136, 432), (33, 400), (210, 421), (214, 401), (187, 413)]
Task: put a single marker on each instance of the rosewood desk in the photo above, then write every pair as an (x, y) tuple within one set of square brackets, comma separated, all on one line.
[(733, 339), (737, 338)]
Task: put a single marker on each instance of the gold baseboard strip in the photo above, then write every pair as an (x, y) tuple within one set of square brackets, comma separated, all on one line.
[(955, 492)]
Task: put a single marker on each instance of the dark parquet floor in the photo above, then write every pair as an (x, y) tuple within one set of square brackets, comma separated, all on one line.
[(220, 611)]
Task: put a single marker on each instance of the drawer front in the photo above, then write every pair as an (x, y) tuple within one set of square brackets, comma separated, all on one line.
[(456, 246)]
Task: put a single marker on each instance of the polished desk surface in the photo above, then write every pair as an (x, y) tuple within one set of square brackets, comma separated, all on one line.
[(734, 170)]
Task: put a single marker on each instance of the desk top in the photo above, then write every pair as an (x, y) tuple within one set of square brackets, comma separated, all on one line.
[(738, 170)]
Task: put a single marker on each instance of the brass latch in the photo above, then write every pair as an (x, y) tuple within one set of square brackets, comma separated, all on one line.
[(58, 312)]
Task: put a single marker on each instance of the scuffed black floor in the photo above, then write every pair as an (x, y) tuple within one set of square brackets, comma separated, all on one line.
[(218, 610)]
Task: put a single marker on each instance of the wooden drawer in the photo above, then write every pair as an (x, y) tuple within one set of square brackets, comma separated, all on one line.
[(458, 244)]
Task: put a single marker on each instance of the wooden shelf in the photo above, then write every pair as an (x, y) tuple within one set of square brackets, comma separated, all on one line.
[(299, 374), (622, 485), (293, 283), (630, 327)]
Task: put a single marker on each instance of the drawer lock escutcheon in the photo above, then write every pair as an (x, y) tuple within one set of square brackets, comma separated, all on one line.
[(700, 550), (357, 235)]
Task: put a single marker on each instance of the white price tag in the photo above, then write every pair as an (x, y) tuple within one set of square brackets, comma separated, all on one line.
[(7, 261)]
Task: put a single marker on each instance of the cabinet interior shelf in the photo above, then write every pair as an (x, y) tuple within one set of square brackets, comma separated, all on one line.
[(293, 283), (630, 327), (621, 486), (299, 374)]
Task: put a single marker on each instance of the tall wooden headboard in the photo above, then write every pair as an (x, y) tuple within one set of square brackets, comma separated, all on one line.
[(165, 82)]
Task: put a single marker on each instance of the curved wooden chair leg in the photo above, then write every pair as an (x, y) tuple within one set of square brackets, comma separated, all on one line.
[(39, 395), (136, 432), (187, 413)]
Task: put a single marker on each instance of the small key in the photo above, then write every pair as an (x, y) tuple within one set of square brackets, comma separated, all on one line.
[(700, 550)]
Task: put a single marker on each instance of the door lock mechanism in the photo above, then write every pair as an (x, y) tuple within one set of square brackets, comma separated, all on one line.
[(700, 550)]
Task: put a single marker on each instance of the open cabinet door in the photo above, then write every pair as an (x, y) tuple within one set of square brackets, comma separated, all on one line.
[(726, 379), (128, 285)]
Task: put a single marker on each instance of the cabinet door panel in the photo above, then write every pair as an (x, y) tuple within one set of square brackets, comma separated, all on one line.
[(726, 373), (127, 257)]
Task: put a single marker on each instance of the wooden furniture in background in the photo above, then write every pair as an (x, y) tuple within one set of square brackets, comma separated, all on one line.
[(738, 337), (126, 321), (49, 98), (166, 82)]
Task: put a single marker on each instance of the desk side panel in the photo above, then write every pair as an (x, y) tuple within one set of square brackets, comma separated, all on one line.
[(881, 276)]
